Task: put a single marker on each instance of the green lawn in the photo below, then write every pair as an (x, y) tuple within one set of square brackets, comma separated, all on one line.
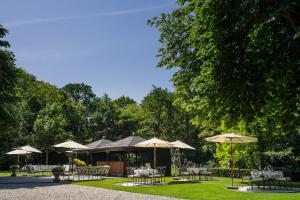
[(5, 173), (206, 190)]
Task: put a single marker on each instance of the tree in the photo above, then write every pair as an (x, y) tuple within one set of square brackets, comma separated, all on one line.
[(49, 128), (158, 112), (161, 117), (7, 81), (104, 119), (32, 96), (80, 93), (123, 101), (237, 63), (77, 121), (127, 120), (79, 110)]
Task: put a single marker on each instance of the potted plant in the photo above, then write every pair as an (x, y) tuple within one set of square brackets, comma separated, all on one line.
[(14, 169), (57, 171)]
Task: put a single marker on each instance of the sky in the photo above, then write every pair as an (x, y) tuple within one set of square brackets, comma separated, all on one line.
[(104, 43)]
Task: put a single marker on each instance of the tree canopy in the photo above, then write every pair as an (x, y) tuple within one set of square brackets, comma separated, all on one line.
[(237, 68)]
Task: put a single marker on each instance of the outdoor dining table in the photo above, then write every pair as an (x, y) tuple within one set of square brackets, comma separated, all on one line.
[(198, 171), (194, 171), (146, 174)]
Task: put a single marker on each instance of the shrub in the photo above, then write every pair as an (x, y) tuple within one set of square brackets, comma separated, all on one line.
[(14, 167), (57, 170), (78, 162), (237, 173)]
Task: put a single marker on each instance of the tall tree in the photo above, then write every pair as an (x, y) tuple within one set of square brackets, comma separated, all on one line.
[(79, 110), (49, 128), (80, 93), (104, 119), (7, 80), (237, 62)]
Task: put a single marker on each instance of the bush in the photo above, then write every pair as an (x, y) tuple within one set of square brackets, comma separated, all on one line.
[(57, 171), (14, 167), (295, 175), (78, 162), (237, 173)]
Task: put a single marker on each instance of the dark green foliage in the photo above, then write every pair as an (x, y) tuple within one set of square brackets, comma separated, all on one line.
[(238, 65), (79, 93), (237, 173), (7, 81), (49, 128)]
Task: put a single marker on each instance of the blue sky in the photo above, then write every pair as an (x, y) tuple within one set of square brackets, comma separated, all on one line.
[(104, 43)]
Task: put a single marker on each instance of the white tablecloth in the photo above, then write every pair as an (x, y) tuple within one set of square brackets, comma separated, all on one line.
[(145, 172), (196, 170)]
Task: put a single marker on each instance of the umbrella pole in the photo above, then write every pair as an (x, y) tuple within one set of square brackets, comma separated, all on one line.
[(72, 157), (128, 157), (231, 164), (91, 157), (18, 160), (154, 162), (136, 159), (107, 155)]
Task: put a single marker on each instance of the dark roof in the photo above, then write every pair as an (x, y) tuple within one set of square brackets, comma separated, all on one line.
[(99, 143), (123, 143)]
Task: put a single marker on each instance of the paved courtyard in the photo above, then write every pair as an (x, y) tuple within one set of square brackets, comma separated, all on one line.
[(50, 191)]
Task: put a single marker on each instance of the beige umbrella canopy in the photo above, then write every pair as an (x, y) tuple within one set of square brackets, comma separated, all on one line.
[(71, 145), (181, 145), (29, 149), (18, 152), (154, 143), (231, 138)]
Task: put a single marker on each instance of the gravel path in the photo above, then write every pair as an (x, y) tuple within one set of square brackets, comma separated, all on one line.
[(67, 192)]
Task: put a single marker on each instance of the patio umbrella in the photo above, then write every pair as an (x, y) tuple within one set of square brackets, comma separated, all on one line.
[(231, 138), (71, 145), (181, 145), (29, 149), (154, 143), (18, 152)]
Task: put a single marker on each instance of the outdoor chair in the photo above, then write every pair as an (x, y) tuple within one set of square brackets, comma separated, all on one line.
[(143, 175), (30, 169), (245, 180), (131, 176), (206, 173), (66, 170), (44, 169), (183, 172), (147, 165), (257, 179), (161, 174), (194, 172), (280, 179)]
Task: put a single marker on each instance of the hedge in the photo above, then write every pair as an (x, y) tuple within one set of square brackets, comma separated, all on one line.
[(239, 173)]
